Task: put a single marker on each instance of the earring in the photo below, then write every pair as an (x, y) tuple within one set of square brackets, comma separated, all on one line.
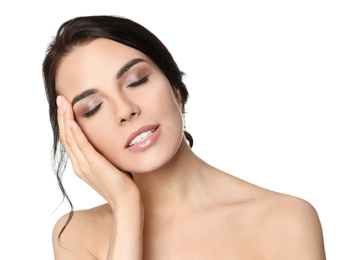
[(183, 117)]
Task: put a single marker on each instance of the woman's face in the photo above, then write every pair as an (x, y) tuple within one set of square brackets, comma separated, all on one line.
[(117, 94)]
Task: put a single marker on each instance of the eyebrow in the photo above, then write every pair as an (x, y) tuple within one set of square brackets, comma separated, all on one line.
[(126, 67), (83, 95), (120, 73)]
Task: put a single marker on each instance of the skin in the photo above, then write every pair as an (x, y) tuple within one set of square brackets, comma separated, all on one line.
[(178, 206)]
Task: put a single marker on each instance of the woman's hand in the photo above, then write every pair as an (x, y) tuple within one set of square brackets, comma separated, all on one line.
[(89, 165), (115, 186)]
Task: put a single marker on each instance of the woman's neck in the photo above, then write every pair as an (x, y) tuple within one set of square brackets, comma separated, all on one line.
[(177, 186)]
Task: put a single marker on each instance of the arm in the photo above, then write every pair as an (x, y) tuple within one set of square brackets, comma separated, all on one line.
[(127, 233), (115, 186)]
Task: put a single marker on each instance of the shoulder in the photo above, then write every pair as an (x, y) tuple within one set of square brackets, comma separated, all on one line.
[(78, 239), (270, 224), (277, 226), (289, 228)]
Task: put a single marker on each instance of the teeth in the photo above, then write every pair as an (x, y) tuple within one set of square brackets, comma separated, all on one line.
[(141, 137)]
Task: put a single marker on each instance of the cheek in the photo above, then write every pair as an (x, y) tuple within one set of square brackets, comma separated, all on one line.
[(103, 135), (169, 112), (164, 102)]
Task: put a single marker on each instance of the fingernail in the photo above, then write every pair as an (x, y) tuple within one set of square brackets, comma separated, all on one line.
[(59, 101), (69, 123), (64, 106)]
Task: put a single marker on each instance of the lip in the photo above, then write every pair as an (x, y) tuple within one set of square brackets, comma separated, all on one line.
[(146, 142)]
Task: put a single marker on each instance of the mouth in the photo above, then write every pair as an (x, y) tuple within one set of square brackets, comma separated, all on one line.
[(140, 135)]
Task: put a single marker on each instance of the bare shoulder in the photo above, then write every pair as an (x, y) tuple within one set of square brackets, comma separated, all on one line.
[(82, 236), (274, 225), (290, 229), (286, 227)]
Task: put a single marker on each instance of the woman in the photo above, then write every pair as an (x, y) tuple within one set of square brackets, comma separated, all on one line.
[(116, 102)]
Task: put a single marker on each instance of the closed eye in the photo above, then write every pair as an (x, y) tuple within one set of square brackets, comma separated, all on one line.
[(139, 82), (92, 111)]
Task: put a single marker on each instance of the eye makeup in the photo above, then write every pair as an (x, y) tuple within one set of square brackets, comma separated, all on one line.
[(136, 76), (88, 106), (138, 82), (93, 111)]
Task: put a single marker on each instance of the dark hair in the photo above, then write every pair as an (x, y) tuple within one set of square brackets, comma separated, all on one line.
[(82, 29)]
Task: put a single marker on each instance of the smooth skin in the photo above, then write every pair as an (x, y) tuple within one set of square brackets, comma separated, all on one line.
[(177, 206)]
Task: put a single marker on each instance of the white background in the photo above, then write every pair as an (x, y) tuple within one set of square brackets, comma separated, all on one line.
[(269, 84)]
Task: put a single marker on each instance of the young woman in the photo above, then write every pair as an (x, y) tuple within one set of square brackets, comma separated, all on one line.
[(117, 101)]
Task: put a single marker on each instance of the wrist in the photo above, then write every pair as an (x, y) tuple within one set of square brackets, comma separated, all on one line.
[(131, 204), (127, 198)]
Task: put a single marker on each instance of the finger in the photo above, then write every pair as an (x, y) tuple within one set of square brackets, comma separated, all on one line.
[(62, 131), (60, 120), (59, 102)]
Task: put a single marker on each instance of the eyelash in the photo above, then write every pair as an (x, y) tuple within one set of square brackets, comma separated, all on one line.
[(139, 82), (134, 84), (92, 111)]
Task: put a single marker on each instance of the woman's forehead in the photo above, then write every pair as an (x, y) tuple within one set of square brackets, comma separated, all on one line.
[(94, 59), (99, 52)]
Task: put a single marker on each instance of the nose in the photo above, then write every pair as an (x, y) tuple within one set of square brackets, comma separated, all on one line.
[(126, 110), (123, 120)]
